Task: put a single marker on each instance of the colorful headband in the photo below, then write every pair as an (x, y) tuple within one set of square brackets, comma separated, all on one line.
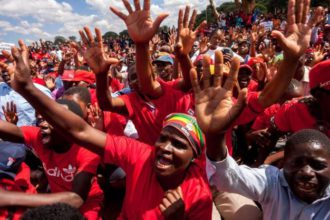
[(188, 126)]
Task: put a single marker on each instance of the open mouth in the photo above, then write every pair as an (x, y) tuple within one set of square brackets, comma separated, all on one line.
[(163, 163), (306, 187)]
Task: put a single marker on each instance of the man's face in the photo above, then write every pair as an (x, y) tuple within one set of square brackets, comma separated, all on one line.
[(243, 49), (173, 153), (307, 170), (244, 78), (164, 70)]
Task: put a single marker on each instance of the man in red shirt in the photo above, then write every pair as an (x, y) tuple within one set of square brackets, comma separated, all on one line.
[(163, 181), (70, 169)]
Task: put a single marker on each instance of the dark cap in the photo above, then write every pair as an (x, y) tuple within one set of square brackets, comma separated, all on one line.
[(11, 157)]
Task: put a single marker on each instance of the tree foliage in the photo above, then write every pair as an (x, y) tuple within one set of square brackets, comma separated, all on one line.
[(59, 40), (110, 34)]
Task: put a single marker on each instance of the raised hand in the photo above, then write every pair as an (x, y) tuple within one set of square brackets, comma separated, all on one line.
[(186, 35), (95, 117), (10, 112), (215, 110), (140, 26), (203, 45), (93, 51), (298, 35), (172, 205), (318, 54), (21, 67)]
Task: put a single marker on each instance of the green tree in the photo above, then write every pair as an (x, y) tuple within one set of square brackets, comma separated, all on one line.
[(73, 38), (110, 34), (59, 40), (123, 33)]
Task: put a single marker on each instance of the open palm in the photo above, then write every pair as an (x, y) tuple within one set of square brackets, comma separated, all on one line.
[(140, 26), (215, 110), (299, 30), (93, 52)]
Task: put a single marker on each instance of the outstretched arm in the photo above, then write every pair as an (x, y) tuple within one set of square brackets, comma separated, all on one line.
[(141, 29), (294, 44), (185, 40), (72, 126), (100, 64), (215, 111)]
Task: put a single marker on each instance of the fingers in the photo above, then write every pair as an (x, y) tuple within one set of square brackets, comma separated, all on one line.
[(170, 197), (305, 11), (218, 68), (146, 5), (128, 6), (160, 18), (232, 77), (99, 37), (192, 19), (206, 72), (180, 22), (7, 55), (201, 25), (291, 12), (89, 35), (137, 5), (83, 37), (237, 109), (194, 81), (299, 10), (118, 13), (186, 16)]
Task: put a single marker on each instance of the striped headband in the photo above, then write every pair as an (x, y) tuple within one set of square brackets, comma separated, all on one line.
[(187, 125)]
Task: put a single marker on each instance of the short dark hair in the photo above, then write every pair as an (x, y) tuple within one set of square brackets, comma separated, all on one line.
[(72, 106), (57, 211), (82, 92), (309, 136)]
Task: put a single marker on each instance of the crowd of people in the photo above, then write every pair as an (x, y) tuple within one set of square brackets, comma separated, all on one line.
[(210, 121)]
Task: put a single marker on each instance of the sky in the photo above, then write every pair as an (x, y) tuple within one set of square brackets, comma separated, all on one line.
[(45, 19)]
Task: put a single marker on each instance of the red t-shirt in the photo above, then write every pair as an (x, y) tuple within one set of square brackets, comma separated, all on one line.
[(250, 112), (115, 85), (263, 120), (114, 124), (21, 183), (148, 116), (253, 86), (143, 192), (62, 168), (294, 116)]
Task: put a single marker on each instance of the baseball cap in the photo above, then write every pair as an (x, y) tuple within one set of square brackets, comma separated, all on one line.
[(245, 67), (319, 76), (165, 59), (83, 75), (11, 157), (68, 75)]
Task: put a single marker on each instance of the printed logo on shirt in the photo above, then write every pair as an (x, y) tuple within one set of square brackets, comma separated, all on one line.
[(191, 112), (67, 174)]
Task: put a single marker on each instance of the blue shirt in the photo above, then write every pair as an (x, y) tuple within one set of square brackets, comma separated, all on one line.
[(268, 186), (25, 112)]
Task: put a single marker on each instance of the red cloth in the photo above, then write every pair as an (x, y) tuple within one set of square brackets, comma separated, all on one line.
[(263, 120), (250, 112), (320, 76), (62, 168), (39, 81), (294, 116), (114, 124), (253, 86), (21, 183), (143, 192), (115, 85), (148, 116)]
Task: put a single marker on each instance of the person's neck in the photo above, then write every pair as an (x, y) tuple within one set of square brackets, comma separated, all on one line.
[(171, 182), (62, 148)]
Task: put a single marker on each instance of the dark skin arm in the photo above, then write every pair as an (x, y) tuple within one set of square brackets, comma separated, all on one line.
[(294, 45), (74, 128), (142, 29), (10, 132), (100, 64), (80, 189), (184, 43)]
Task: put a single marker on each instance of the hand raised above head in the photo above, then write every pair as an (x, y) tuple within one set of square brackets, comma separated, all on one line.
[(215, 110), (186, 35), (140, 26), (93, 51), (20, 68), (298, 35)]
